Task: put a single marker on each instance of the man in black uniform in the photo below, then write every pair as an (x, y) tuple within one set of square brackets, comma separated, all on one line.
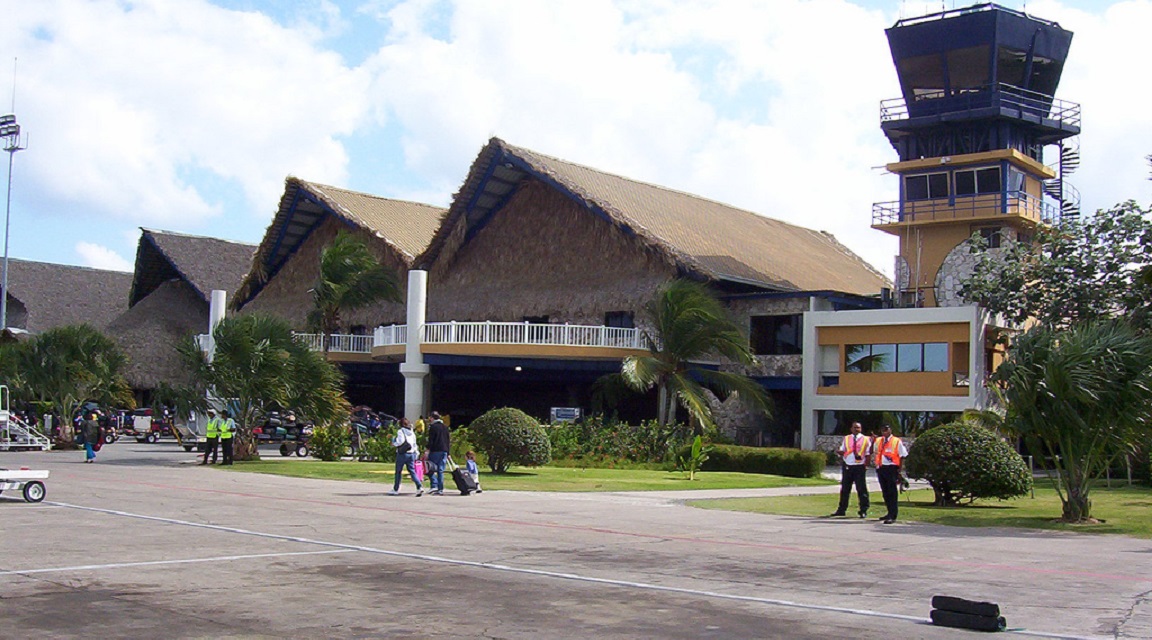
[(438, 441)]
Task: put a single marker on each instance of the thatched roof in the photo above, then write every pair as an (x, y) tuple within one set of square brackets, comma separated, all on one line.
[(204, 263), (703, 238), (405, 228), (55, 295), (149, 331)]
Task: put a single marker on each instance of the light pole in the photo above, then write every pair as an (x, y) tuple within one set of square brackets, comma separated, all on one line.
[(10, 131)]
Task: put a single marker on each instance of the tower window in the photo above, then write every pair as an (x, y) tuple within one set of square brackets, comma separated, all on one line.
[(777, 335), (926, 187), (974, 181)]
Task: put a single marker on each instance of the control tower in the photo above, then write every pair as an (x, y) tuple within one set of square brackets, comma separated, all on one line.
[(976, 112)]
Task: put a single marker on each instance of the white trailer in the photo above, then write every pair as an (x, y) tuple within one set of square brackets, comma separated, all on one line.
[(15, 434), (28, 481)]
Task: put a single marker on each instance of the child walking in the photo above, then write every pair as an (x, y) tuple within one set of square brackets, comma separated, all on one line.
[(473, 470)]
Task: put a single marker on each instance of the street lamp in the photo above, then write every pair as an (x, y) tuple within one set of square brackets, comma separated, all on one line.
[(10, 132)]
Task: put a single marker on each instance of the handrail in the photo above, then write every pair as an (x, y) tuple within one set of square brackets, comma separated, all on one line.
[(337, 342), (516, 333), (1027, 103), (1018, 203)]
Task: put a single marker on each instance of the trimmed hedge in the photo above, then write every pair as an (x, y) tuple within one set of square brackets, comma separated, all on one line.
[(777, 461), (965, 462), (509, 437)]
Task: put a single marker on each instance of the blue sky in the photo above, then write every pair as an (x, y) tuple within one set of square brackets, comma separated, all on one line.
[(187, 115)]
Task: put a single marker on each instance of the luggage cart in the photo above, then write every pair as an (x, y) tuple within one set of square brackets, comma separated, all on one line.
[(28, 481)]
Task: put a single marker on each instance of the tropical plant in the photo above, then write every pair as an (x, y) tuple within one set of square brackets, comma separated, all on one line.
[(690, 325), (67, 366), (258, 365), (509, 436), (695, 457), (350, 278), (1075, 272), (329, 441), (964, 462), (1082, 397)]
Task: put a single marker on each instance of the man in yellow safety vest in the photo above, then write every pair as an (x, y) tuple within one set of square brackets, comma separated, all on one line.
[(890, 453), (227, 431), (212, 433)]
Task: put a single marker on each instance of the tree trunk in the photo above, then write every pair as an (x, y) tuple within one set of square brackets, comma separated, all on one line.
[(244, 446), (1077, 506)]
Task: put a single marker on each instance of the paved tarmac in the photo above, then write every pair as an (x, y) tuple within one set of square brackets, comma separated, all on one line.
[(145, 544)]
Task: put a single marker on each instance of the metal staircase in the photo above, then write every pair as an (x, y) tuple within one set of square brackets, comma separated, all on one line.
[(15, 434), (1058, 188)]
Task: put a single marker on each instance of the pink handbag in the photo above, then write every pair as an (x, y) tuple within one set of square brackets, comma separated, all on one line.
[(419, 467)]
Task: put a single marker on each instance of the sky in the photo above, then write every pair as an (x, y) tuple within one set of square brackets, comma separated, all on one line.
[(188, 115)]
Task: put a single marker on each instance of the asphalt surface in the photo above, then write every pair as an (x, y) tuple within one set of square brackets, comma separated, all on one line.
[(146, 544)]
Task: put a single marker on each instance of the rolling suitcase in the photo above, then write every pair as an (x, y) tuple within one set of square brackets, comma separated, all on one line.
[(464, 482)]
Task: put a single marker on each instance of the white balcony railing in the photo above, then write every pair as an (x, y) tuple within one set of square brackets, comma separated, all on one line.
[(337, 342), (568, 335)]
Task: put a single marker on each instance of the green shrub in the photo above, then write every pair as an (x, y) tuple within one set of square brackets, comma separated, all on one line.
[(379, 447), (965, 462), (329, 441), (509, 436), (598, 439), (778, 461)]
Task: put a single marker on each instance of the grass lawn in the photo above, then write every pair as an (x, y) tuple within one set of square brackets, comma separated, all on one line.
[(1126, 510), (537, 479)]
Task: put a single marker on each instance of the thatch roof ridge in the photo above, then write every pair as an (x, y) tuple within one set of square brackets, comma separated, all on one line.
[(403, 227), (735, 245), (205, 263), (320, 191)]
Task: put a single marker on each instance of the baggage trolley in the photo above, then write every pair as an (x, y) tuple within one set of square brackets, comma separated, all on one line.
[(28, 481)]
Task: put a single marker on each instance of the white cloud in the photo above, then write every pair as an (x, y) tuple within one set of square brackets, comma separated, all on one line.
[(99, 257), (144, 110)]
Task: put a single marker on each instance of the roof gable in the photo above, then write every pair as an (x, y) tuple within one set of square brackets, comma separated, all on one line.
[(55, 295), (703, 237), (404, 227), (204, 263)]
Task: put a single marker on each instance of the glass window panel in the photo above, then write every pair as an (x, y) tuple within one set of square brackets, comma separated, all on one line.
[(1010, 67), (916, 188), (936, 356), (857, 358), (1015, 180), (909, 357), (965, 183), (923, 76), (968, 68), (883, 357), (988, 180), (938, 185)]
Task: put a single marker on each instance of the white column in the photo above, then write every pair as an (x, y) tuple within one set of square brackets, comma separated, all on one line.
[(217, 309), (413, 368), (810, 379)]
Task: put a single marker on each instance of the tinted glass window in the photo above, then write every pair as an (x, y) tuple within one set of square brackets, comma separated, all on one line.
[(936, 356), (938, 185), (916, 188), (858, 358), (965, 183), (909, 356), (883, 357), (988, 180)]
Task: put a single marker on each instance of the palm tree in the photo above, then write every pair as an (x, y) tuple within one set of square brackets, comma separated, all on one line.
[(690, 325), (350, 278), (1082, 397), (258, 365), (67, 366)]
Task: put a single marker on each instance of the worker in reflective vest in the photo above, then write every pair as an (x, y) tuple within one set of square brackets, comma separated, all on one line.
[(212, 433), (890, 452), (227, 431), (854, 452)]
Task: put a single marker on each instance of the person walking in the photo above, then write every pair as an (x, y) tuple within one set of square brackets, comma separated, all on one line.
[(91, 430), (438, 448), (406, 453), (890, 453), (854, 450), (212, 435), (227, 432)]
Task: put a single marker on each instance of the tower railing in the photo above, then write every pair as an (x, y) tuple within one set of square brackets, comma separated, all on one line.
[(1016, 101), (1013, 203)]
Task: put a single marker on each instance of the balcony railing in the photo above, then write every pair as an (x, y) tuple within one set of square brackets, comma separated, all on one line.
[(1017, 203), (569, 335), (1021, 103), (337, 342)]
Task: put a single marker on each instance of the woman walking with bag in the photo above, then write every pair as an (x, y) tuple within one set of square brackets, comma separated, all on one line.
[(406, 454)]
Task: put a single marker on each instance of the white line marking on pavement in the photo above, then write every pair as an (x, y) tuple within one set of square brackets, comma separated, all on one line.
[(120, 565), (552, 574)]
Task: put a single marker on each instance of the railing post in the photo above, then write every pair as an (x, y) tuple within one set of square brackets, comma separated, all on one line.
[(452, 332)]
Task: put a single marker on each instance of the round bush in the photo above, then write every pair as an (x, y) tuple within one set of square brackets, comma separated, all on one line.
[(329, 441), (965, 462), (509, 436)]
